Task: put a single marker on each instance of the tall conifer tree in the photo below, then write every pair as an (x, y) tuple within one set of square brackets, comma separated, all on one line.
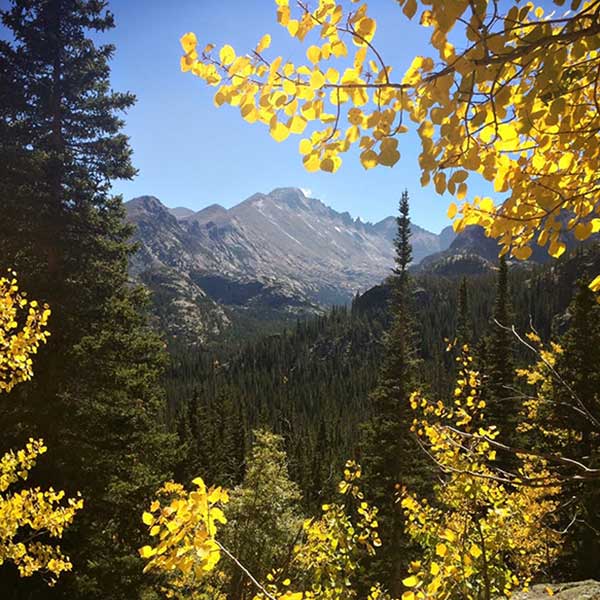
[(463, 328), (499, 359), (390, 455), (577, 410), (96, 399)]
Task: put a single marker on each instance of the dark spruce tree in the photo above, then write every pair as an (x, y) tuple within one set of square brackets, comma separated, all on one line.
[(390, 454), (96, 398), (577, 410), (498, 361), (463, 326)]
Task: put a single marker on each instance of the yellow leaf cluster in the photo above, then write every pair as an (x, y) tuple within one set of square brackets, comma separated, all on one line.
[(34, 511), (184, 525), (287, 97), (22, 330), (519, 106), (27, 516), (481, 529)]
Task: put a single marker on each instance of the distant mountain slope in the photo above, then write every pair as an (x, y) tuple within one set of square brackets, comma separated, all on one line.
[(180, 212), (273, 255), (472, 252)]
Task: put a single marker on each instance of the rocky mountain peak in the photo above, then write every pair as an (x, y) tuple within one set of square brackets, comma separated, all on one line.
[(277, 251), (290, 196), (181, 212), (214, 213), (145, 204)]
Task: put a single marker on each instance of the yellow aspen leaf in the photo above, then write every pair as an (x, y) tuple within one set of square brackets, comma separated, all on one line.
[(452, 210), (441, 550), (147, 518), (368, 159), (283, 15), (331, 164), (359, 58), (426, 18), (434, 568), (389, 155), (595, 285), (408, 596), (305, 146), (410, 8), (449, 535), (297, 124), (486, 205), (522, 253), (313, 53), (411, 581), (556, 249), (311, 162), (365, 29), (332, 75), (565, 161), (249, 113), (289, 87), (317, 80), (147, 551), (219, 98), (352, 134), (475, 551), (439, 179), (264, 43), (339, 49), (188, 42), (187, 63), (583, 230), (227, 54), (279, 132)]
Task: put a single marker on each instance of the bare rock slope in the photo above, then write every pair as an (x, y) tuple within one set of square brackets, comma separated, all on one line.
[(271, 255)]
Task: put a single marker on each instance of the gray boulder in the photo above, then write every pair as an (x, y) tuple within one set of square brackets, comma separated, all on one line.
[(578, 590)]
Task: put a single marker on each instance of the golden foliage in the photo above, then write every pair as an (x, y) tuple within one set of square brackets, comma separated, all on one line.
[(484, 534), (184, 525), (321, 563), (27, 516), (22, 330), (519, 106)]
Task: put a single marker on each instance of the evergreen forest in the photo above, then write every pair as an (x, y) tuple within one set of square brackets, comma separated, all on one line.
[(436, 438)]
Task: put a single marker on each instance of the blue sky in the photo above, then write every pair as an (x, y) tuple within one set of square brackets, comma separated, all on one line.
[(190, 153)]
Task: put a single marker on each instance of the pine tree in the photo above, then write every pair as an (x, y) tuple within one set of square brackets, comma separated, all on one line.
[(390, 455), (463, 327), (96, 399), (577, 410), (263, 515), (499, 359), (190, 461)]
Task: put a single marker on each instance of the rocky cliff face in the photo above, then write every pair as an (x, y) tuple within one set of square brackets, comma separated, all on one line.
[(278, 254)]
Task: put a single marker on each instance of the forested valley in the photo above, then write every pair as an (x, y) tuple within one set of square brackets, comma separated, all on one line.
[(437, 438)]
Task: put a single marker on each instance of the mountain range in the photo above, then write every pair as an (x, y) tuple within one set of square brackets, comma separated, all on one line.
[(270, 258)]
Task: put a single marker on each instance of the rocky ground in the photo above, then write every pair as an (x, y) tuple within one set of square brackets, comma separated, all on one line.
[(578, 590)]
